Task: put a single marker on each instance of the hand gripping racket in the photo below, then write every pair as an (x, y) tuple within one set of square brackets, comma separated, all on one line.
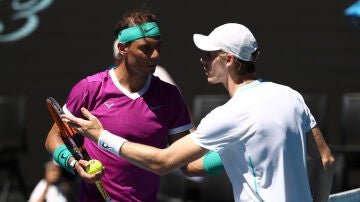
[(72, 140)]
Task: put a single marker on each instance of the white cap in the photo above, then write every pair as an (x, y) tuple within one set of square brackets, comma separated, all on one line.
[(231, 38)]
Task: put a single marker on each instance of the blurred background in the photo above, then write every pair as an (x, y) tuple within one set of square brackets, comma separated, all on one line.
[(46, 46)]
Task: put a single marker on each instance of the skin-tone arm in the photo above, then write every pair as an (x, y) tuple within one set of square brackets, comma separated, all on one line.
[(162, 161), (54, 140), (321, 165), (159, 161), (194, 168)]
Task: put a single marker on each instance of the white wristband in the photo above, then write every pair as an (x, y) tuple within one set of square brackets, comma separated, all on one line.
[(111, 142), (72, 163), (72, 166)]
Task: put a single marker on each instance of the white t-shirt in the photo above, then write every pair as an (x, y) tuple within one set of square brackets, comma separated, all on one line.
[(260, 134), (53, 193)]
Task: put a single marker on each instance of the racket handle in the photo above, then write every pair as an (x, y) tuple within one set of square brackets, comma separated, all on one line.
[(103, 191), (73, 148)]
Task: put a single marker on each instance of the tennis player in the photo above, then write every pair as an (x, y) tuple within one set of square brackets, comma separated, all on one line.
[(263, 133), (132, 103)]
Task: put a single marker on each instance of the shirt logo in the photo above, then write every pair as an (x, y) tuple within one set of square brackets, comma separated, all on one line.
[(152, 108), (108, 104)]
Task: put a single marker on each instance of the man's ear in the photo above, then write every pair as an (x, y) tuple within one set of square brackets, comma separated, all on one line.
[(230, 59), (231, 63), (122, 49)]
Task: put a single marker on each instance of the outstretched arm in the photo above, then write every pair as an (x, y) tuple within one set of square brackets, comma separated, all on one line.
[(160, 161), (321, 165)]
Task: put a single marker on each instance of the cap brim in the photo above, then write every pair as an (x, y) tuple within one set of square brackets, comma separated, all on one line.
[(203, 43)]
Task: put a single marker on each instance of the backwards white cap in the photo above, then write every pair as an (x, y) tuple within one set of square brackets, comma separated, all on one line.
[(231, 38)]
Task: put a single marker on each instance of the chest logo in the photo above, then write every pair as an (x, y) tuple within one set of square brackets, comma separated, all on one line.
[(152, 108), (108, 104)]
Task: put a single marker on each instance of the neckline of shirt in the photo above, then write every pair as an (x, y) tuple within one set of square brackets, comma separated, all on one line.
[(131, 95), (248, 86)]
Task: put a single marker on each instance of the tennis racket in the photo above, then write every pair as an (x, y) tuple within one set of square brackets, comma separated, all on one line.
[(72, 139)]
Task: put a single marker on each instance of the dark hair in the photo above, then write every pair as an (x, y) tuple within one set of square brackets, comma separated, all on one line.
[(133, 18), (247, 67)]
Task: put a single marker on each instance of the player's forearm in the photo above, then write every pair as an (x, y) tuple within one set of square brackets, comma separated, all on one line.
[(149, 158), (159, 161), (194, 168), (163, 161)]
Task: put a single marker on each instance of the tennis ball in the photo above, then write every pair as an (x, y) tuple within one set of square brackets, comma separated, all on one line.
[(94, 166)]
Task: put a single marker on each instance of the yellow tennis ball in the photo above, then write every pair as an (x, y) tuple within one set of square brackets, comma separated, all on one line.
[(94, 166)]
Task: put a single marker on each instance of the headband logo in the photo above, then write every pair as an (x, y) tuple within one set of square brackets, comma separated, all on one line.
[(148, 30), (133, 33)]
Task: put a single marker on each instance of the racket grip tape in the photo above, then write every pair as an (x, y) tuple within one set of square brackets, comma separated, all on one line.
[(102, 191)]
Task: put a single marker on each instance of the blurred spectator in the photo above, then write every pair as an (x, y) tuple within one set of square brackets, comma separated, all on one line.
[(53, 187)]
